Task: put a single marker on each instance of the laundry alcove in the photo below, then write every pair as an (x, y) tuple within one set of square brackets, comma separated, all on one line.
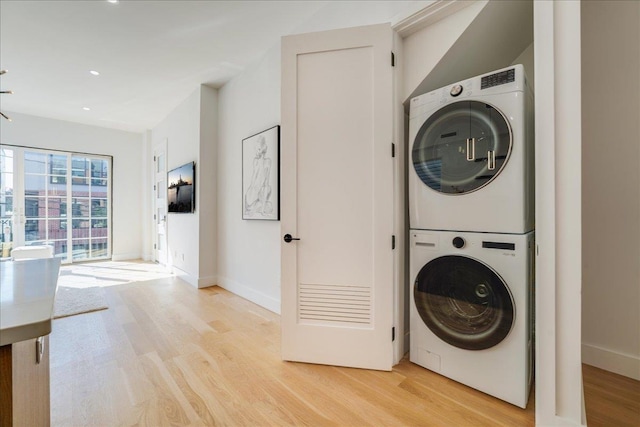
[(476, 39)]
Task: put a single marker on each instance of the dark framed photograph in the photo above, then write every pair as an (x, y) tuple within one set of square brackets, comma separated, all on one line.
[(261, 175), (181, 195)]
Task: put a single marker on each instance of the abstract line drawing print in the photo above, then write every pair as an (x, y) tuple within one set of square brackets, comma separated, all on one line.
[(260, 198), (257, 199)]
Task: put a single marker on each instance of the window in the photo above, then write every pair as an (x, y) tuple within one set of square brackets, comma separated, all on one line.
[(63, 200)]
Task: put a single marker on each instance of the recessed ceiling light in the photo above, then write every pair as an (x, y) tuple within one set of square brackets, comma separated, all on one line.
[(113, 1), (86, 108), (94, 72)]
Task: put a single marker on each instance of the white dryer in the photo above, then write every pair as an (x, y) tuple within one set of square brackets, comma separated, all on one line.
[(472, 160), (471, 309)]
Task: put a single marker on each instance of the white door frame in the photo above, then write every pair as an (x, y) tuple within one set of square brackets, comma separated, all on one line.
[(160, 254), (559, 392)]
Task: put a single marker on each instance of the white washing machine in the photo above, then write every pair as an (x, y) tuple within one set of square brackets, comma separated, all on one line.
[(471, 166), (471, 309)]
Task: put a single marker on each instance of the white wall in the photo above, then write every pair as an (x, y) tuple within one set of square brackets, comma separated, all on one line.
[(190, 132), (483, 37), (526, 59), (249, 251), (181, 130), (127, 150), (426, 47), (344, 14), (611, 185)]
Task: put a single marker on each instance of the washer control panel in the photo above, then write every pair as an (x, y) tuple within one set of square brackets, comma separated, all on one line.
[(458, 242)]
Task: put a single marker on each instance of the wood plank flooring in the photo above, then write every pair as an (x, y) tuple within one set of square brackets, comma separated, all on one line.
[(165, 353), (610, 399)]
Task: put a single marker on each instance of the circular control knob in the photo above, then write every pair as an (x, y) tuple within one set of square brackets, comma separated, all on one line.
[(458, 242), (456, 90)]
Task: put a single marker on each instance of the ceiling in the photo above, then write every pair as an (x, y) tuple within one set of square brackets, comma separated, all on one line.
[(150, 54)]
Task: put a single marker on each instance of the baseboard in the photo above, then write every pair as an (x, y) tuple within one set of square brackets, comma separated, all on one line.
[(183, 275), (623, 364), (202, 282), (270, 303), (125, 257), (205, 282)]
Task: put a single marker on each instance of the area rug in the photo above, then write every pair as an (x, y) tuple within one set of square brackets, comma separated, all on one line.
[(71, 301)]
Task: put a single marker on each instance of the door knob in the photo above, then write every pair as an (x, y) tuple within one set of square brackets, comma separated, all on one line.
[(288, 238)]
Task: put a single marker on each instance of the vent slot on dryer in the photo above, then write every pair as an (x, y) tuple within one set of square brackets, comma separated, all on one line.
[(497, 79), (499, 245)]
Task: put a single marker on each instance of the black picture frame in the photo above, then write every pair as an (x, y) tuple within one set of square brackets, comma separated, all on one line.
[(181, 189)]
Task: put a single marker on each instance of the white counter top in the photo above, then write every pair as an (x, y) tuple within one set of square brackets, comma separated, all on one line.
[(27, 293)]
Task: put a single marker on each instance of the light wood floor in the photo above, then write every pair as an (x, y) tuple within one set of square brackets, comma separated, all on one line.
[(165, 353)]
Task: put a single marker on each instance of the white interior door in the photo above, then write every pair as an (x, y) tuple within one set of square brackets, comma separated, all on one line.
[(160, 203), (337, 197)]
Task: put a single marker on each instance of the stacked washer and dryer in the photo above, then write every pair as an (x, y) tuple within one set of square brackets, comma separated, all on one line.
[(471, 200)]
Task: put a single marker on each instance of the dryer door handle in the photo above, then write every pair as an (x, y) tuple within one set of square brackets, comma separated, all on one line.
[(471, 149), (491, 160)]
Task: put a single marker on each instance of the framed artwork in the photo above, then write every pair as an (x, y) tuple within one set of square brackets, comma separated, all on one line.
[(181, 195), (261, 175)]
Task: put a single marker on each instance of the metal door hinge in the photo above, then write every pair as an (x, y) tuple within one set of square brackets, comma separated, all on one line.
[(393, 242), (393, 149), (393, 333), (154, 188), (154, 158), (393, 59), (154, 246), (39, 349)]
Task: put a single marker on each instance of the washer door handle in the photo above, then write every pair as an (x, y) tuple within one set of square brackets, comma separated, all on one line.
[(288, 238)]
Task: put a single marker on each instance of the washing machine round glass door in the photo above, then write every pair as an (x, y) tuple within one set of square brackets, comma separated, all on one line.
[(462, 147), (464, 302)]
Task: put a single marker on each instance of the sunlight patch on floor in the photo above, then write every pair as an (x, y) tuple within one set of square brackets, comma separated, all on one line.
[(110, 273)]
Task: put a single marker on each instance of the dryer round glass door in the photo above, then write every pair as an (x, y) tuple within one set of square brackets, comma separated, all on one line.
[(462, 147), (464, 302)]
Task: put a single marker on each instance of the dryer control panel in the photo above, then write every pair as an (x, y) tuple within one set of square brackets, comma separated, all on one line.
[(497, 79), (506, 80)]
